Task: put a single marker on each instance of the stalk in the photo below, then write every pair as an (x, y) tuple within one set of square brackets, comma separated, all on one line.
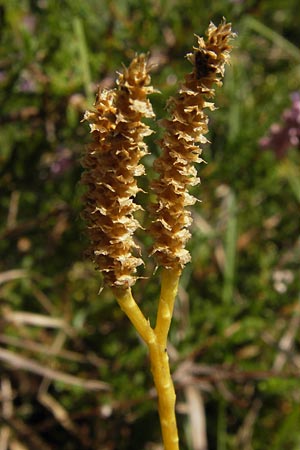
[(156, 340), (160, 360), (166, 395)]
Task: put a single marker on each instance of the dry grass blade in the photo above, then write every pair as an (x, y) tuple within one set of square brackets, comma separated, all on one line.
[(32, 346), (285, 345), (55, 347), (41, 297), (69, 355), (58, 411), (39, 320), (29, 365), (17, 445), (13, 209), (244, 436), (197, 417), (6, 397), (6, 411), (11, 275), (287, 340), (26, 434), (4, 437)]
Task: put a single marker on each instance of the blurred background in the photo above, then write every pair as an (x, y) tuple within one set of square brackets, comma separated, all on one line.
[(73, 373)]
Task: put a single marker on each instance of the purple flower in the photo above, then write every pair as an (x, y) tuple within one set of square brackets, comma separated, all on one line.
[(287, 134), (29, 22), (63, 161), (27, 81)]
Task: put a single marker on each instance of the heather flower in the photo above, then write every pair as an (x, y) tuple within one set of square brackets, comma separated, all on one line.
[(62, 162), (185, 129), (112, 165), (287, 134)]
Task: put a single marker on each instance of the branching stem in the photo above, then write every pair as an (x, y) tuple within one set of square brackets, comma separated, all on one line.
[(156, 340)]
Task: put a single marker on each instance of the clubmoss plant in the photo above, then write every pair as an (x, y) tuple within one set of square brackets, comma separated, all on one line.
[(112, 163)]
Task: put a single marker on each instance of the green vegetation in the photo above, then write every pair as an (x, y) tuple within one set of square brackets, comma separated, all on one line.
[(73, 373)]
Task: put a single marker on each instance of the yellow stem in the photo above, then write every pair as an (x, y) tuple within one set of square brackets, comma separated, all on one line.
[(169, 288), (166, 395), (156, 341), (160, 361), (129, 306)]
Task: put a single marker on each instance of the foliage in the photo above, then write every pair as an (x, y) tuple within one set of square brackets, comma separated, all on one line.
[(235, 334)]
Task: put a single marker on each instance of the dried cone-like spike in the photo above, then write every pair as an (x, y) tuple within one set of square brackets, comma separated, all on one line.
[(112, 165), (186, 127)]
